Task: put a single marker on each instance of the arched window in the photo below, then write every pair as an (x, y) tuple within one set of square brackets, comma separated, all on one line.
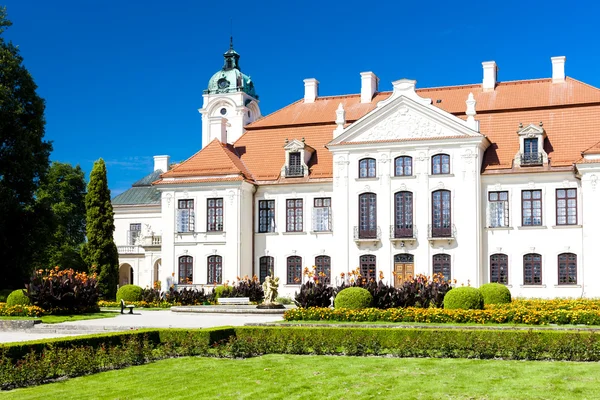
[(532, 269), (441, 219), (499, 268), (440, 164), (323, 264), (567, 269), (367, 216), (403, 215), (215, 270), (294, 270), (441, 265), (403, 166), (366, 168), (265, 267), (368, 267), (186, 270)]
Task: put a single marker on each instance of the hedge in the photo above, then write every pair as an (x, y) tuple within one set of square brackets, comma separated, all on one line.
[(516, 315), (23, 364), (465, 298)]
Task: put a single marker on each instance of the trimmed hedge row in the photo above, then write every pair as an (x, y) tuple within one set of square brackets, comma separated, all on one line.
[(516, 315), (23, 364)]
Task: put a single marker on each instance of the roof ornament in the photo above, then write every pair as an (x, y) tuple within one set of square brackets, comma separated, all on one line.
[(286, 141), (541, 123), (471, 122), (340, 118)]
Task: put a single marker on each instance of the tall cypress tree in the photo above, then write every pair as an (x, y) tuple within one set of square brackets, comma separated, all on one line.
[(100, 252), (23, 163)]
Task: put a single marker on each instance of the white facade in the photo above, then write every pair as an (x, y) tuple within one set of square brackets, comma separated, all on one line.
[(444, 213)]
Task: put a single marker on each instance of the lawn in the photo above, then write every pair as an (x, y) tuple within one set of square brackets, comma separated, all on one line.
[(318, 377), (55, 319)]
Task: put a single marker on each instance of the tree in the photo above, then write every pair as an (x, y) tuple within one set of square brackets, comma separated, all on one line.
[(62, 195), (100, 252), (23, 162)]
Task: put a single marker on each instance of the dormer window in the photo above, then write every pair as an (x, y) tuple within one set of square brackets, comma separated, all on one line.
[(531, 146), (367, 168), (297, 156)]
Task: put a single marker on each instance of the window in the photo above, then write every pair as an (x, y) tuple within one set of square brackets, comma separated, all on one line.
[(265, 267), (215, 270), (403, 218), (186, 270), (498, 208), (403, 166), (185, 216), (441, 217), (567, 269), (499, 268), (440, 164), (295, 167), (566, 206), (266, 216), (323, 264), (441, 265), (322, 214), (368, 266), (531, 154), (294, 270), (135, 230), (531, 201), (367, 218), (532, 269), (366, 168), (294, 215), (214, 215)]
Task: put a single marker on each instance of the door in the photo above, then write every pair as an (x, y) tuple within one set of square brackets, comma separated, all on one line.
[(404, 268), (367, 218)]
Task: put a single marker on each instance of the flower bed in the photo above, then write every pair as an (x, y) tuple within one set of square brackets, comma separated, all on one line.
[(20, 311)]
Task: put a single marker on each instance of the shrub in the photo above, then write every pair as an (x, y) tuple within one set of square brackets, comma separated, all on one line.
[(186, 297), (221, 291), (495, 293), (17, 298), (63, 291), (464, 297), (247, 287), (284, 300), (353, 298), (4, 294), (314, 294), (129, 293)]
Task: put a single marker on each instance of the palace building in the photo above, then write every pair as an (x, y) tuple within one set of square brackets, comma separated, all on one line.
[(487, 182)]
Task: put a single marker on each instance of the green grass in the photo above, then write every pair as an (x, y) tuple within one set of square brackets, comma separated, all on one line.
[(319, 377), (55, 319)]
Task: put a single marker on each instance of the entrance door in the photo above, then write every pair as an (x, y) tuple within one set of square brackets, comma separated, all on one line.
[(404, 268)]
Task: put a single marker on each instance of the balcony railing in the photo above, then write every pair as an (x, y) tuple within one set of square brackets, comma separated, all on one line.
[(441, 232), (294, 170), (528, 159), (371, 235), (403, 234), (156, 240), (130, 249)]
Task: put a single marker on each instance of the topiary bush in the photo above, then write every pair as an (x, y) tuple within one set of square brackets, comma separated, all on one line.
[(495, 293), (464, 297), (129, 293), (17, 298), (354, 298)]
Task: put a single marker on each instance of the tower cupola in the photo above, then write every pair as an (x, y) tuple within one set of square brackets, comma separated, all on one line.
[(230, 78)]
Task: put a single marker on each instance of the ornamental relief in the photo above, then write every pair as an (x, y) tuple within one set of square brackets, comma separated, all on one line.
[(403, 124)]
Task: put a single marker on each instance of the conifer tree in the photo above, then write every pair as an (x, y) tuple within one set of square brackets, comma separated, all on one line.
[(100, 252), (23, 163)]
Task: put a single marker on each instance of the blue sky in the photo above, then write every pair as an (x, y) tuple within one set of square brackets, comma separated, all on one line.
[(123, 80)]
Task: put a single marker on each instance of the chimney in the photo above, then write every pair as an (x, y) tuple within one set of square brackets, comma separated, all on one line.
[(311, 90), (369, 85), (490, 75), (558, 69), (162, 163)]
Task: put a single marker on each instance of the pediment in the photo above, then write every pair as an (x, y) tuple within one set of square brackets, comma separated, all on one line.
[(531, 130), (402, 119), (294, 145)]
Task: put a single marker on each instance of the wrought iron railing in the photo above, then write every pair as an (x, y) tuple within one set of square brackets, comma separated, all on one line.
[(367, 234), (294, 170), (532, 159), (441, 232), (403, 232)]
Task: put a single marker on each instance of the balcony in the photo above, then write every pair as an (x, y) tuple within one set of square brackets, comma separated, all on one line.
[(403, 235), (441, 233), (531, 159), (365, 236), (294, 171)]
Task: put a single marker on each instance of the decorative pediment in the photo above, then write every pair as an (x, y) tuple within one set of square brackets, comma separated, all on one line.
[(531, 131), (404, 119), (294, 145)]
